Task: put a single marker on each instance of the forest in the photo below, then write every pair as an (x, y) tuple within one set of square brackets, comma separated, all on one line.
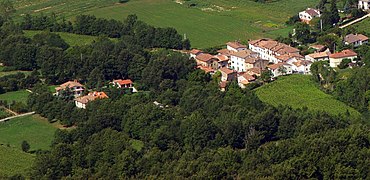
[(200, 133)]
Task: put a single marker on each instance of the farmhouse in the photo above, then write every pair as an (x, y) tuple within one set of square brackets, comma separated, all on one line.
[(364, 4), (81, 102), (307, 15), (356, 39), (336, 58), (320, 56), (225, 52), (124, 84), (235, 46), (194, 52), (73, 87), (206, 69), (318, 47), (302, 67), (238, 59), (206, 60), (244, 79), (227, 74), (254, 71), (280, 69), (270, 49), (223, 61)]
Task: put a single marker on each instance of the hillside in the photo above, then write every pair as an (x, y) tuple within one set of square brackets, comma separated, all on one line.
[(299, 91), (210, 23), (14, 161)]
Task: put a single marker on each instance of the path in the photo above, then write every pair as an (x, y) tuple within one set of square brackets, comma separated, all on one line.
[(12, 117), (9, 110), (355, 21)]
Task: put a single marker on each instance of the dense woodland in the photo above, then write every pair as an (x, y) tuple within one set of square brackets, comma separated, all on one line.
[(201, 132)]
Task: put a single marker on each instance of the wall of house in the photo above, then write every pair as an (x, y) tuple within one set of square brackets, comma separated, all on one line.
[(238, 64)]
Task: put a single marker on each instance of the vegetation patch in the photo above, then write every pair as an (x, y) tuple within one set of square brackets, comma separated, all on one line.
[(300, 91), (17, 96), (14, 161)]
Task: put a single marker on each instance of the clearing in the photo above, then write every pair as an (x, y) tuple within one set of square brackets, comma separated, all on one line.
[(300, 91), (18, 96), (69, 38)]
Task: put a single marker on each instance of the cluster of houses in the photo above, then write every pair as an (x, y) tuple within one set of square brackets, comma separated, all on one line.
[(77, 90), (244, 63)]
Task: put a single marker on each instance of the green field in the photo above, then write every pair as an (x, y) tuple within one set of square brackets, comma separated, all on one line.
[(37, 131), (363, 26), (5, 73), (18, 96), (300, 91), (208, 24), (69, 38), (14, 161)]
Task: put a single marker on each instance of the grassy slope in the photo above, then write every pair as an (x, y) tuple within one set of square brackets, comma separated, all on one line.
[(34, 129), (71, 39), (240, 20), (298, 91), (14, 161), (20, 96), (363, 26)]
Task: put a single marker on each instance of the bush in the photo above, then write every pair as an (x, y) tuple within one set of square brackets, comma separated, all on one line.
[(25, 146)]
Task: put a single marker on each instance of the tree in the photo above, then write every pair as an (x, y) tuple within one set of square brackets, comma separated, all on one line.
[(282, 70), (334, 14), (266, 76), (7, 9), (25, 146)]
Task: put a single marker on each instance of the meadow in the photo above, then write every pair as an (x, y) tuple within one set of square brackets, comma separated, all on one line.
[(69, 38), (300, 91), (210, 23), (14, 161), (363, 26), (18, 96)]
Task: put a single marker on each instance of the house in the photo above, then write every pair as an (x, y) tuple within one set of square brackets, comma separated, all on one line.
[(356, 39), (238, 59), (82, 101), (225, 52), (364, 4), (270, 49), (74, 87), (302, 67), (320, 56), (252, 62), (206, 69), (289, 58), (318, 47), (235, 46), (227, 74), (207, 60), (195, 52), (127, 83), (244, 79), (254, 71), (308, 14), (336, 58), (280, 69), (223, 61), (223, 85)]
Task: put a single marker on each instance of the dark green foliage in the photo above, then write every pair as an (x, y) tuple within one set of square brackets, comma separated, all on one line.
[(25, 146)]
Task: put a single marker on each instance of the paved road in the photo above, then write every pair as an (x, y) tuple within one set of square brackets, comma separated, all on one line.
[(355, 21), (12, 117)]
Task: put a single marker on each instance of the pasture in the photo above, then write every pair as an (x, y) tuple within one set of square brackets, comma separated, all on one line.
[(300, 91), (18, 96), (210, 23), (14, 161)]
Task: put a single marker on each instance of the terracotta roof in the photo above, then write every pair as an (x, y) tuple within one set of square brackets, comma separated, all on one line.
[(351, 38), (195, 51), (249, 77), (343, 54), (223, 84), (319, 55), (276, 66), (204, 57), (222, 58), (69, 84), (302, 63), (312, 12), (243, 54), (318, 47), (206, 69), (123, 82), (236, 45), (226, 70), (254, 71), (225, 52), (91, 97), (275, 46)]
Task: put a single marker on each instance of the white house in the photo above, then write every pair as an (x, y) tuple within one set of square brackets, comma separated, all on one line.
[(364, 4), (307, 15), (238, 59), (302, 67), (320, 56), (73, 87), (280, 69), (127, 83), (336, 58), (356, 39), (235, 46), (81, 102), (227, 74)]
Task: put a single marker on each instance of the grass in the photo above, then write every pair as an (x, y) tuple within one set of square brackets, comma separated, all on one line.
[(38, 132), (363, 26), (232, 21), (300, 91), (18, 96), (69, 38), (14, 161), (6, 73)]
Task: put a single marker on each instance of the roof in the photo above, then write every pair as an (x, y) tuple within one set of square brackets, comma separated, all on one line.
[(312, 12), (254, 70), (69, 84), (318, 47), (91, 97), (226, 70), (204, 57), (248, 77), (225, 52), (351, 38), (343, 54), (236, 45), (319, 55), (275, 46), (195, 51), (243, 54), (276, 66), (206, 69), (222, 58), (123, 82), (302, 63), (223, 84)]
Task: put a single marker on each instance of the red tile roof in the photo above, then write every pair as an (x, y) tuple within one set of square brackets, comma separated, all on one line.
[(319, 55), (351, 38), (69, 84), (204, 57), (222, 57), (225, 52), (123, 82), (226, 70), (243, 54), (91, 97), (206, 69), (195, 51), (343, 54), (236, 45)]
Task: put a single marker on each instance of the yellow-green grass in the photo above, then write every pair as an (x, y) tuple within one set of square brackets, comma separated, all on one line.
[(18, 96), (14, 161), (69, 38), (37, 131), (300, 91), (239, 20)]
